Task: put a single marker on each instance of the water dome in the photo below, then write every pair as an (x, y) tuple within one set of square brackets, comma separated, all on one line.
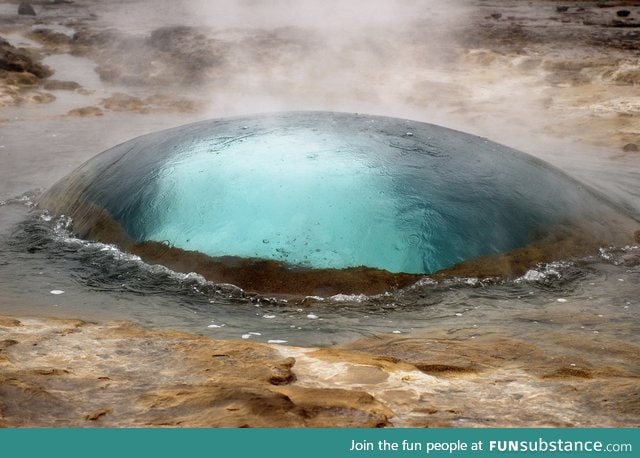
[(321, 202)]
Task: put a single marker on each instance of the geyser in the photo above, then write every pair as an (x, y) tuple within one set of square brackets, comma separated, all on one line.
[(341, 202)]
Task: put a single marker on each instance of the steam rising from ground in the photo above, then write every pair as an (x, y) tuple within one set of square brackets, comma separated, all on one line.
[(381, 57), (327, 15), (346, 56), (530, 76)]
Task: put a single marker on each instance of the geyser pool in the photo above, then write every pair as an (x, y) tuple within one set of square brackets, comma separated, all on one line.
[(346, 195)]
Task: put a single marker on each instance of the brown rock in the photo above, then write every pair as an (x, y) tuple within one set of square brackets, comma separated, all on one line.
[(26, 9), (53, 85), (23, 80), (152, 104), (9, 322), (41, 97), (93, 416), (123, 102), (281, 373), (447, 357), (569, 372), (86, 111), (50, 37), (17, 60), (630, 148), (139, 377)]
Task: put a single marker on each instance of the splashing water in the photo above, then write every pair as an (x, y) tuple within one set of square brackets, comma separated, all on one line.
[(319, 190)]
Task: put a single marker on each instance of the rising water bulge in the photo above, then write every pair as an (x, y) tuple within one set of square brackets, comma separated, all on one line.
[(330, 198)]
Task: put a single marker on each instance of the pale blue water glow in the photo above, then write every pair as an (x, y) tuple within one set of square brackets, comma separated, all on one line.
[(329, 190)]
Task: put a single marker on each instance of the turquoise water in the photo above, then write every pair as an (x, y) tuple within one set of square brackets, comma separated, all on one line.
[(39, 255), (46, 271), (330, 190)]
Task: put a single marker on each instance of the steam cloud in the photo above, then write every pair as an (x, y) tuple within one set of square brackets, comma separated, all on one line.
[(380, 57)]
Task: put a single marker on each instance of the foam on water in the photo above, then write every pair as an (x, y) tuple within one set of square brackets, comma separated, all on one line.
[(99, 278), (327, 191)]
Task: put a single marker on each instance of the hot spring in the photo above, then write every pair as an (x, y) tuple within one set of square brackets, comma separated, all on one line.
[(325, 203)]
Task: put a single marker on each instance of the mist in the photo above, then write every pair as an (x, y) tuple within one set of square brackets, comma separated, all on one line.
[(422, 60), (403, 58), (340, 56), (389, 58), (524, 75)]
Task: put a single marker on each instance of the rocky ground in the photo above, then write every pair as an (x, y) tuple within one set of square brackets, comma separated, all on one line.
[(574, 66), (76, 374), (544, 68)]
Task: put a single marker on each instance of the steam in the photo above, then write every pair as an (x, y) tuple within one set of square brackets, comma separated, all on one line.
[(416, 59), (402, 58), (356, 56), (330, 14)]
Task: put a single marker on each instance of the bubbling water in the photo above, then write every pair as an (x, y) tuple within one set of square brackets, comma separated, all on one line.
[(319, 191)]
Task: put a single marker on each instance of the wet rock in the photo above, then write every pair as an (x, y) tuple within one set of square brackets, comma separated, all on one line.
[(630, 148), (623, 13), (123, 102), (93, 416), (441, 356), (174, 38), (9, 322), (157, 103), (146, 378), (57, 85), (86, 40), (628, 75), (562, 9), (26, 9), (20, 73), (170, 55), (40, 97), (20, 61), (568, 373), (496, 15), (86, 111), (625, 24), (50, 37), (508, 371), (151, 378), (281, 373)]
